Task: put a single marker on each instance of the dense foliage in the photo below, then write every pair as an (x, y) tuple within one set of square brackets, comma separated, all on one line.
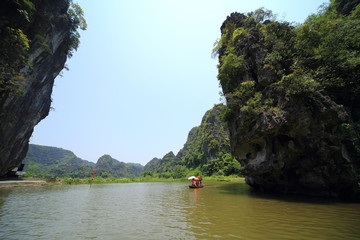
[(320, 55), (18, 39), (43, 161), (106, 166), (206, 152)]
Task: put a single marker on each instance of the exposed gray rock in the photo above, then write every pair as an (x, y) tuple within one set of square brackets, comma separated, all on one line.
[(297, 151), (24, 111), (294, 146)]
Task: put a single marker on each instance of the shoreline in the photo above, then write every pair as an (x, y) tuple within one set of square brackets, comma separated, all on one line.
[(21, 183), (32, 182)]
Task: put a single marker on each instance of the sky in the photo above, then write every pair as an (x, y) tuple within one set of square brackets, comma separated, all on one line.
[(143, 75)]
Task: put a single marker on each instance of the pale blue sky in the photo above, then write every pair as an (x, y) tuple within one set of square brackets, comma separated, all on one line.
[(143, 75)]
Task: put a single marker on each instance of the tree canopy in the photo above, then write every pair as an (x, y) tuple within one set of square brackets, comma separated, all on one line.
[(258, 53), (18, 40)]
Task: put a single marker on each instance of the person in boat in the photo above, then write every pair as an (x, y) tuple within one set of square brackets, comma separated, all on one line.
[(199, 181), (194, 182)]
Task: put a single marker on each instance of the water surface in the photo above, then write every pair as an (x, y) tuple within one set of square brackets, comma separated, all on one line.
[(170, 211)]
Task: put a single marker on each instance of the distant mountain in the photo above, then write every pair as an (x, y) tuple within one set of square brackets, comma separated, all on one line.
[(44, 161), (159, 165), (206, 152), (107, 166), (168, 166), (207, 149)]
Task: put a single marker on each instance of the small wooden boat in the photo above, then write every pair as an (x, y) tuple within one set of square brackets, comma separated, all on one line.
[(196, 182)]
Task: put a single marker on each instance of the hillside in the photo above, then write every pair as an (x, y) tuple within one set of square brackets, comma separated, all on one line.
[(55, 162), (206, 151), (44, 161), (106, 166)]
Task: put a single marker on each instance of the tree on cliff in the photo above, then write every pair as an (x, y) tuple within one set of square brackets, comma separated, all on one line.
[(18, 39), (36, 38), (292, 97)]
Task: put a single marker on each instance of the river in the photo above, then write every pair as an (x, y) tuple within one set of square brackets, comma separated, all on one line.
[(170, 211)]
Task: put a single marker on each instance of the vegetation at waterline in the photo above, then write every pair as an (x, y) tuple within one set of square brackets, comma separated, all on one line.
[(101, 180)]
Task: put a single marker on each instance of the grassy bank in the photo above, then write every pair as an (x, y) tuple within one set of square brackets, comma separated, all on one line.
[(100, 180), (232, 178)]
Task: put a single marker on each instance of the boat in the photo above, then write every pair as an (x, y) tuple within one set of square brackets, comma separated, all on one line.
[(16, 172), (196, 182)]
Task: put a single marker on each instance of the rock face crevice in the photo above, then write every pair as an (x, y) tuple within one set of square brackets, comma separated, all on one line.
[(21, 112), (299, 154), (287, 140)]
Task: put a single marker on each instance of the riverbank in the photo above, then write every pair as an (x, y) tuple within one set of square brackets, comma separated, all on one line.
[(99, 180), (29, 182), (21, 183)]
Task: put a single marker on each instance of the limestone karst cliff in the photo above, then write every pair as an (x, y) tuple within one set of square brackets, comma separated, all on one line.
[(206, 151), (37, 36), (292, 100)]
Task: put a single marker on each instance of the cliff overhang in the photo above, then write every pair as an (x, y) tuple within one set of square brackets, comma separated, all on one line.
[(286, 115), (37, 36)]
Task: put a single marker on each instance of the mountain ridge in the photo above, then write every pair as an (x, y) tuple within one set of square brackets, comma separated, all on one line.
[(51, 161), (205, 152)]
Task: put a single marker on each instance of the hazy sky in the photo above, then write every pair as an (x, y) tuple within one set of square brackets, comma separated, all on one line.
[(143, 75)]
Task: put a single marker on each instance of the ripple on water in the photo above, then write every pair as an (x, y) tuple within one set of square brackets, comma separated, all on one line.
[(168, 211)]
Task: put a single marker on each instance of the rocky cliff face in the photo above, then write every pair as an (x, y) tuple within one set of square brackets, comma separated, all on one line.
[(49, 32), (297, 150), (207, 143), (284, 128), (206, 149)]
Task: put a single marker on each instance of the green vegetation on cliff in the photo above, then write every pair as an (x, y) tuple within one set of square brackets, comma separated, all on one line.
[(292, 97), (208, 146), (320, 55), (36, 39), (166, 167), (18, 39), (206, 152)]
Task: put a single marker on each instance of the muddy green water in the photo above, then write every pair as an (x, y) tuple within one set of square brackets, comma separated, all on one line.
[(170, 211)]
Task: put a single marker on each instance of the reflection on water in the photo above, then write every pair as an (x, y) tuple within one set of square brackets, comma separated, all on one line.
[(231, 211), (169, 211)]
